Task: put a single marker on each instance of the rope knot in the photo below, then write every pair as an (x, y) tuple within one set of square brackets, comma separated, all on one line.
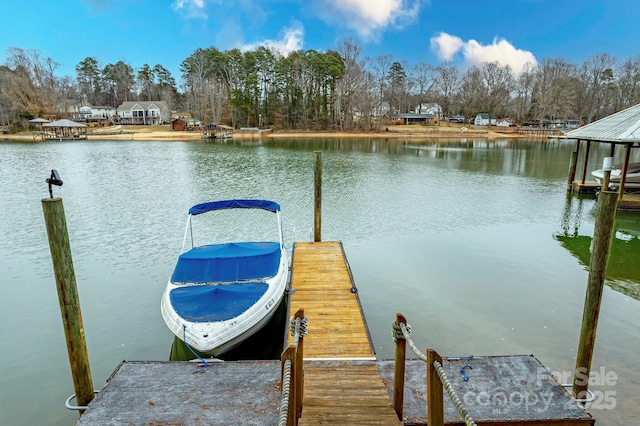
[(399, 333), (299, 326)]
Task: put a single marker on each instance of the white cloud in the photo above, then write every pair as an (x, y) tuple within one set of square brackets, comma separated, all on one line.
[(292, 40), (369, 18), (447, 46), (191, 8)]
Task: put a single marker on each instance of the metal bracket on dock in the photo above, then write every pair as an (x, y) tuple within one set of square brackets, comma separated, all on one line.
[(67, 403), (581, 400)]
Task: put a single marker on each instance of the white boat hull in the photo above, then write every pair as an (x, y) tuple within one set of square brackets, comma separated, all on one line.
[(216, 338), (632, 180), (221, 294)]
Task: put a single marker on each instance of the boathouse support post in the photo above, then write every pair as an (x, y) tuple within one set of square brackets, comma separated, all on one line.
[(605, 216), (585, 163), (572, 166), (317, 184), (399, 369), (435, 394), (607, 164), (68, 297), (623, 173), (299, 374), (292, 408)]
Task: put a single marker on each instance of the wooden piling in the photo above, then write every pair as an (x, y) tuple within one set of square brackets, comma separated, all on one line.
[(317, 184), (399, 369), (68, 298), (623, 173), (572, 167), (585, 163), (606, 210), (435, 394)]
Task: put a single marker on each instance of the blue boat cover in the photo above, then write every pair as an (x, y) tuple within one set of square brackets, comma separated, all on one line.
[(235, 204), (228, 262), (215, 303)]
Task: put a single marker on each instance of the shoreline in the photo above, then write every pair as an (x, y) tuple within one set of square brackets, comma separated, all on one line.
[(152, 134)]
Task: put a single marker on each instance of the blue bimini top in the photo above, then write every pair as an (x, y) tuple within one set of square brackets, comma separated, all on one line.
[(207, 303), (235, 204), (228, 262)]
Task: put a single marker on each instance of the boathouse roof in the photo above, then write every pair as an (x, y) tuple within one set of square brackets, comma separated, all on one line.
[(620, 127), (64, 123)]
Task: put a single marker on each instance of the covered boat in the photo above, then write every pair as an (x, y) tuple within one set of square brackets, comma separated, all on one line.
[(632, 179), (220, 294)]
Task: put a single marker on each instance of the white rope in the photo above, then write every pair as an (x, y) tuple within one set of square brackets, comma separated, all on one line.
[(286, 391), (452, 395), (298, 327), (404, 331)]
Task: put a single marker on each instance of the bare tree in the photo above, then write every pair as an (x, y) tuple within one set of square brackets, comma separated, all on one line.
[(351, 82), (498, 83), (446, 86), (31, 87), (628, 83), (596, 77)]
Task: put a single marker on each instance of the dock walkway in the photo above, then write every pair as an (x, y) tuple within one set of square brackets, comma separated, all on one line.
[(342, 383)]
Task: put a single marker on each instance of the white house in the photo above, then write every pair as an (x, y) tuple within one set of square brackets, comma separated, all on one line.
[(103, 112), (428, 108), (144, 112), (505, 122), (86, 112), (482, 119)]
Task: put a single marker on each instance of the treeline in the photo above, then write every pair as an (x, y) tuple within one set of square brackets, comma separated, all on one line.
[(337, 89)]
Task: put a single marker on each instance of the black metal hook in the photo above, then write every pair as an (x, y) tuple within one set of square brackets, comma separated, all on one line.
[(53, 180)]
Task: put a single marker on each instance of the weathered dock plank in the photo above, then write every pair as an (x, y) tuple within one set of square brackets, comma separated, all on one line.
[(345, 393), (182, 393), (513, 390), (323, 286)]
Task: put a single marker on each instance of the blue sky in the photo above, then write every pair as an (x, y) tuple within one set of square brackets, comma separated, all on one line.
[(465, 32)]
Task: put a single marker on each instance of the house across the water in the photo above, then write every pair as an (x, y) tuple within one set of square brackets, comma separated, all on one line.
[(482, 119), (413, 118), (144, 112)]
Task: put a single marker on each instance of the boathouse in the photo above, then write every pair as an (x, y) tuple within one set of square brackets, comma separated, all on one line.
[(216, 131), (64, 130), (618, 130)]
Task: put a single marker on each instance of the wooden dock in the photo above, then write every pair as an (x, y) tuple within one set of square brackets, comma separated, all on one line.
[(323, 286), (342, 384)]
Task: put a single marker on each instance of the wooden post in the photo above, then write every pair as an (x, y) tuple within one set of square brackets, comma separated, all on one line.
[(435, 401), (586, 161), (605, 180), (317, 184), (572, 169), (290, 353), (299, 369), (68, 297), (399, 370), (606, 210), (623, 173)]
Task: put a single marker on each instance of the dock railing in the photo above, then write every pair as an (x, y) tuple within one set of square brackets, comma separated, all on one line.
[(292, 373), (436, 378)]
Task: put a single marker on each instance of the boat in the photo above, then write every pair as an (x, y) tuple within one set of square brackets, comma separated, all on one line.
[(632, 179), (222, 293)]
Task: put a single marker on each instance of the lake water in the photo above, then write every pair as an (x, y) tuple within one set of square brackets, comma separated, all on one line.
[(475, 242)]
